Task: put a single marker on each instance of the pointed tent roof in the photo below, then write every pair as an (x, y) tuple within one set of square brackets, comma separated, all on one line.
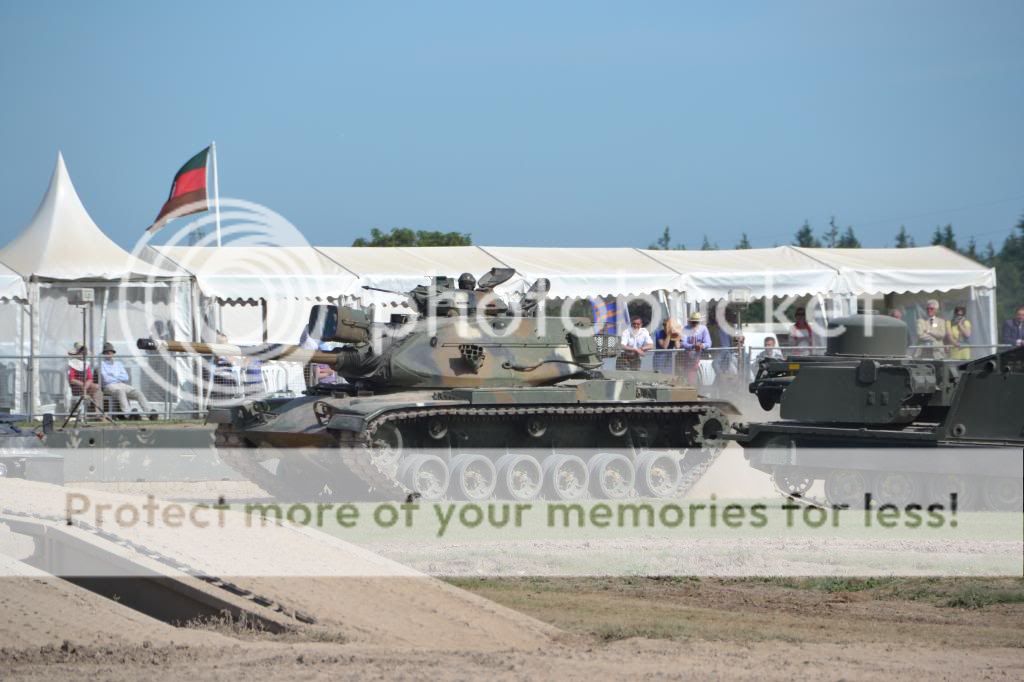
[(12, 286), (63, 243)]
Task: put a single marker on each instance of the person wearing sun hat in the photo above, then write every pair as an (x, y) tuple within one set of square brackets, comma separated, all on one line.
[(80, 375), (114, 378), (696, 338)]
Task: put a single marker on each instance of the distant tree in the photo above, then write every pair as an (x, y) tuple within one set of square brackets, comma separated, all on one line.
[(805, 237), (972, 249), (744, 242), (944, 236), (1009, 266), (848, 240), (990, 255), (706, 245), (831, 238), (403, 236), (664, 242), (903, 239)]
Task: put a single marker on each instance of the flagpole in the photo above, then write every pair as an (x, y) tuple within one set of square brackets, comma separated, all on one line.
[(216, 191)]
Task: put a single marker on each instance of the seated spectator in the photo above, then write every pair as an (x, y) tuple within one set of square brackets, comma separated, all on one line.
[(932, 333), (801, 337), (1013, 330), (958, 330), (114, 381), (635, 342), (669, 337), (80, 377), (771, 350), (696, 339)]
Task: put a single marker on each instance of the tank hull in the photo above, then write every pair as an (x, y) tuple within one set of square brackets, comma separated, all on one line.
[(345, 447)]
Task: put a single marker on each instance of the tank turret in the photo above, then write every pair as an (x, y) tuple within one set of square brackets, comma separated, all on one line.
[(867, 335), (463, 338)]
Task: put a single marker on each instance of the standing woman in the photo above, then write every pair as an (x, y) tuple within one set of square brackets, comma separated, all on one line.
[(959, 331), (800, 335), (669, 337)]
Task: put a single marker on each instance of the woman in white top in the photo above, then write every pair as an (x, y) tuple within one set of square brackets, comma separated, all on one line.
[(800, 335)]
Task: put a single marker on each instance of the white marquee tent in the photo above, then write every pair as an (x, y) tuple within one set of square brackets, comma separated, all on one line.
[(839, 275), (267, 290), (403, 268), (62, 248), (783, 270)]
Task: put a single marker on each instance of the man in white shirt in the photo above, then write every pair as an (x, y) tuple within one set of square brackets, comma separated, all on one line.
[(932, 333), (114, 380), (635, 341)]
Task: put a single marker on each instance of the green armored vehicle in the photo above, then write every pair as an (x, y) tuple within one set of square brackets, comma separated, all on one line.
[(865, 418), (470, 400)]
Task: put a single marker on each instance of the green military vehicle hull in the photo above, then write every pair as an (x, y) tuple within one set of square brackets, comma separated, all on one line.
[(865, 419)]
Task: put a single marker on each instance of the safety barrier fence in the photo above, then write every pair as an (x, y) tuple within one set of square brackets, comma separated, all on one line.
[(175, 387)]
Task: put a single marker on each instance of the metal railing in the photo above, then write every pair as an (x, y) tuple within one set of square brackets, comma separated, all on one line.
[(182, 386), (714, 363)]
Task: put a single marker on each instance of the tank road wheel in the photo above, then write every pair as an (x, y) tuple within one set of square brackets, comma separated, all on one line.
[(657, 475), (426, 475), (792, 481), (387, 448), (611, 476), (536, 427), (846, 487), (565, 477), (519, 477), (898, 488), (618, 426), (941, 486), (473, 478), (437, 429), (1003, 494)]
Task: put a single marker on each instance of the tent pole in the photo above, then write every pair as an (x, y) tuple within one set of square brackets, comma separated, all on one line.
[(33, 348), (993, 323)]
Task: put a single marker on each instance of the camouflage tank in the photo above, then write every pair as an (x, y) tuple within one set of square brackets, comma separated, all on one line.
[(471, 399), (867, 418)]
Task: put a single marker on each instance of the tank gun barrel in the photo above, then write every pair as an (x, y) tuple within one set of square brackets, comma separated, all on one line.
[(264, 352)]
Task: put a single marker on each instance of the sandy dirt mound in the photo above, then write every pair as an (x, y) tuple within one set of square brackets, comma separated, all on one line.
[(40, 612), (378, 600)]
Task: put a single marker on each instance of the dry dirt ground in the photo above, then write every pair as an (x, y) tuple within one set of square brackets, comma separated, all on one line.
[(824, 629)]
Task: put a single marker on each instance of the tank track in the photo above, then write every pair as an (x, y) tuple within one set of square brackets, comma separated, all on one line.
[(357, 451)]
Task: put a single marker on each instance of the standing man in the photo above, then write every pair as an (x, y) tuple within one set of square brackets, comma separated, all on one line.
[(635, 341), (1013, 330), (114, 380), (932, 332)]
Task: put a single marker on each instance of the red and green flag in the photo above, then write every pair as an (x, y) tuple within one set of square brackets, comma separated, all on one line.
[(189, 187)]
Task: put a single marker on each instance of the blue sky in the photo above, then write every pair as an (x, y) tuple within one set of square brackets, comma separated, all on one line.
[(527, 123)]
